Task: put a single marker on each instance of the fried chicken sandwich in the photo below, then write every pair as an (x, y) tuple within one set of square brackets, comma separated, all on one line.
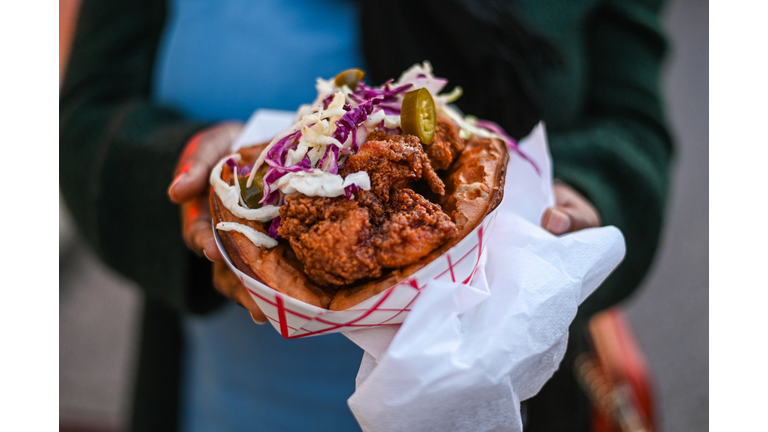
[(369, 185)]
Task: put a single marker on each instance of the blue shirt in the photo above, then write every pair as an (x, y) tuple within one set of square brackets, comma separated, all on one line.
[(221, 60), (224, 59)]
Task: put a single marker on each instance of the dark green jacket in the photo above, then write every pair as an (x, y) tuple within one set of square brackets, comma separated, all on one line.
[(118, 152)]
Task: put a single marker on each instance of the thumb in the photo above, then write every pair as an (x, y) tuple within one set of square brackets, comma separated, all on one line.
[(201, 153), (561, 219), (556, 221)]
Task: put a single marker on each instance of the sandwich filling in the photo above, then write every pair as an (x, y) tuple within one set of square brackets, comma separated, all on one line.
[(347, 185)]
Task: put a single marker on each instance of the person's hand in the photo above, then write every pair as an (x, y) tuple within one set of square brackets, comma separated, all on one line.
[(230, 286), (190, 190), (190, 185), (572, 212)]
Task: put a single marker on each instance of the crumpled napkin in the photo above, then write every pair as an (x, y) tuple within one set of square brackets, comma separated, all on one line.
[(466, 355)]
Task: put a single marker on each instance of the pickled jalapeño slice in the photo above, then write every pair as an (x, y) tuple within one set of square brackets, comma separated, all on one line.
[(417, 116)]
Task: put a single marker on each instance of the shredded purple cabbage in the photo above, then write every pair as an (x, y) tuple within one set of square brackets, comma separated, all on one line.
[(351, 190), (433, 85), (331, 151), (322, 159), (275, 160), (391, 108), (365, 92), (306, 163), (356, 98), (353, 118), (286, 169), (511, 142), (273, 228), (278, 152), (232, 164), (386, 86), (241, 171), (272, 175), (327, 101)]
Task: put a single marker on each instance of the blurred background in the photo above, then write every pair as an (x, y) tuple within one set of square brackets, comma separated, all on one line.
[(669, 315)]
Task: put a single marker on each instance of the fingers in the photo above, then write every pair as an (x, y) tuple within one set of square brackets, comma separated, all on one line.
[(556, 221), (228, 284), (197, 229), (189, 188), (562, 220), (572, 212), (202, 152)]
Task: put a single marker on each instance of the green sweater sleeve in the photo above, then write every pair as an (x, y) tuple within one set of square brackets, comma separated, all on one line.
[(619, 156), (118, 152)]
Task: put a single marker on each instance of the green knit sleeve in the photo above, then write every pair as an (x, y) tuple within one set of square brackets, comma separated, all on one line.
[(619, 156), (118, 153)]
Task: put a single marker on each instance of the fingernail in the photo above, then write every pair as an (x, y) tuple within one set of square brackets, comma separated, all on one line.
[(257, 321), (206, 255), (559, 222)]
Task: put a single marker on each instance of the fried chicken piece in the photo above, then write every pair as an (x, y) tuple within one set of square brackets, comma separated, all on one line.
[(393, 162), (340, 241), (378, 135), (413, 229), (446, 144), (376, 208), (331, 237)]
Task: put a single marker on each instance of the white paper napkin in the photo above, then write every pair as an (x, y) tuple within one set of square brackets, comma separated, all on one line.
[(467, 355)]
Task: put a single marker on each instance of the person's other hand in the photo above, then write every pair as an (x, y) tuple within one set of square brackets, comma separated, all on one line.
[(572, 212), (190, 190)]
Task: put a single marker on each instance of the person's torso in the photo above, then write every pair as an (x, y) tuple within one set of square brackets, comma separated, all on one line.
[(563, 89)]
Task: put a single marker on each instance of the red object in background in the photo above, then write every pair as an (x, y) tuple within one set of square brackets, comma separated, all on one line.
[(67, 19), (616, 377)]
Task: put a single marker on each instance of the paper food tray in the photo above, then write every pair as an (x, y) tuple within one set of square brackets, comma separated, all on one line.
[(293, 318)]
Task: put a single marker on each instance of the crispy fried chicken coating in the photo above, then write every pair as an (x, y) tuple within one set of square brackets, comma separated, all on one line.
[(341, 241), (393, 162), (413, 229), (331, 237), (446, 145), (376, 207)]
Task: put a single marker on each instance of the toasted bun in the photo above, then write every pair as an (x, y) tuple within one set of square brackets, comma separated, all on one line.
[(474, 187)]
